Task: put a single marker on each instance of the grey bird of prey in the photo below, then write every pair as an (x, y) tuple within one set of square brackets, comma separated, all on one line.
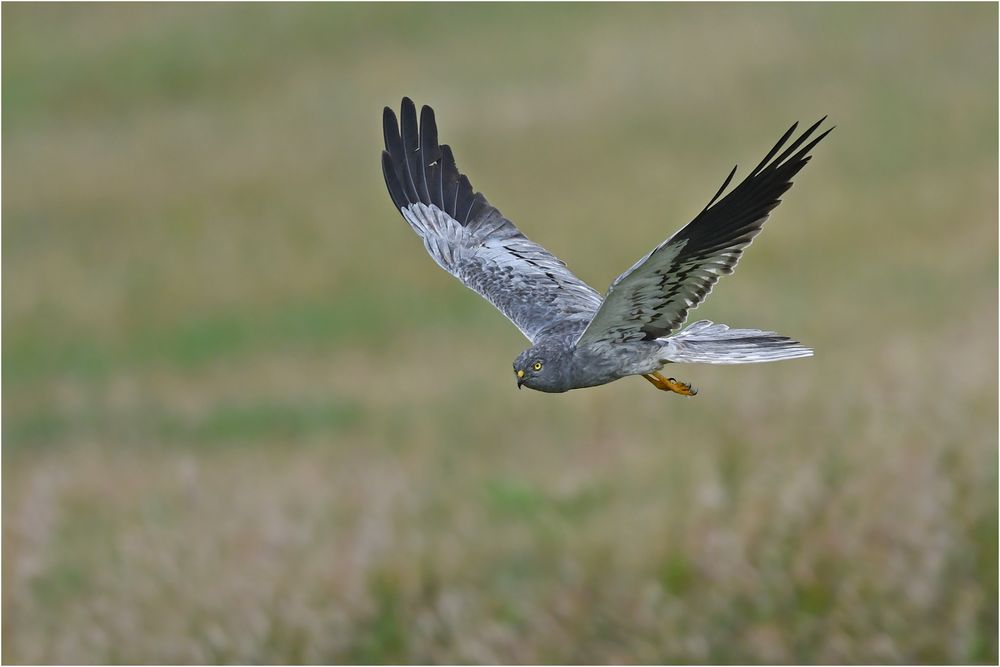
[(579, 338)]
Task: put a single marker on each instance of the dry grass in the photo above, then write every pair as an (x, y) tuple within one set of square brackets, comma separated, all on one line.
[(247, 420)]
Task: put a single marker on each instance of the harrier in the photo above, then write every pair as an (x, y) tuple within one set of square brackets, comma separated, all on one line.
[(579, 339)]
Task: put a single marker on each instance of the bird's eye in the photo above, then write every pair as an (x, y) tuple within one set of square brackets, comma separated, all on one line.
[(537, 366)]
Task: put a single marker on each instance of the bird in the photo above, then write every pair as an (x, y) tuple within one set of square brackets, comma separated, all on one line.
[(578, 337)]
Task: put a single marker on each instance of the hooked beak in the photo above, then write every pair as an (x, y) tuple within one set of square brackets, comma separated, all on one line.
[(520, 378)]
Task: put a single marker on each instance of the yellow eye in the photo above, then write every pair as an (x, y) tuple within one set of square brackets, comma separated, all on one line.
[(537, 366)]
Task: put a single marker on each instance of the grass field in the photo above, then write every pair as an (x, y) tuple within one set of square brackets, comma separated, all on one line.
[(247, 419)]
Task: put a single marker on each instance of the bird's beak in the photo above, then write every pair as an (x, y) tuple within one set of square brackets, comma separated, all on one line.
[(520, 378)]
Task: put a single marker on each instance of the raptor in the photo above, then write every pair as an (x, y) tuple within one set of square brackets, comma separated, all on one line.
[(579, 338)]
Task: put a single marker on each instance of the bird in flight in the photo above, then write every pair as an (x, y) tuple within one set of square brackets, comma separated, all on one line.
[(579, 338)]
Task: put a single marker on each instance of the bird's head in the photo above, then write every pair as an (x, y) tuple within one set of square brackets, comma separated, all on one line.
[(543, 367)]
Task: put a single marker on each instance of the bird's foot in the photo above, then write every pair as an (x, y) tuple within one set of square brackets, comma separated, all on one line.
[(670, 384)]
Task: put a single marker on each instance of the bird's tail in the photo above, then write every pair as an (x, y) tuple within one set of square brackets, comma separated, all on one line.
[(705, 342)]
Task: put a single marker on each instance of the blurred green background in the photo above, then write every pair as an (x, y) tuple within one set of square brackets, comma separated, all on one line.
[(247, 419)]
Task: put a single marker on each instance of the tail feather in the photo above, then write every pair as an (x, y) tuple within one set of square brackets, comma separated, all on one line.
[(705, 342)]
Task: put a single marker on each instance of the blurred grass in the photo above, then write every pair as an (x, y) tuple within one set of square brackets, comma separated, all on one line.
[(246, 419)]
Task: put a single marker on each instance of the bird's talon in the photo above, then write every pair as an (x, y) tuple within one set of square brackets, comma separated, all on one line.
[(670, 384)]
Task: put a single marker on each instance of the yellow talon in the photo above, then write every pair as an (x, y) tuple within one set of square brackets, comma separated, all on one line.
[(670, 384)]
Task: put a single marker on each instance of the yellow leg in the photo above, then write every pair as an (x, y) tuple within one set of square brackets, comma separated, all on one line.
[(670, 384)]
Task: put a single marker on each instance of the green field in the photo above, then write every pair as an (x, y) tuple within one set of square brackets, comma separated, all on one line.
[(247, 419)]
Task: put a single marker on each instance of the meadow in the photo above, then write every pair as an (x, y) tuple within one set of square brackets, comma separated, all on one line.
[(247, 419)]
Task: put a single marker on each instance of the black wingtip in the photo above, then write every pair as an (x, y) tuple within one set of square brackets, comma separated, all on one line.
[(430, 156), (390, 129), (428, 128), (777, 147), (804, 153), (418, 169), (392, 182), (722, 189), (790, 150), (728, 218), (407, 107)]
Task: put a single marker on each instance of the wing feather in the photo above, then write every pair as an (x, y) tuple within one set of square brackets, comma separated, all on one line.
[(653, 297), (468, 237)]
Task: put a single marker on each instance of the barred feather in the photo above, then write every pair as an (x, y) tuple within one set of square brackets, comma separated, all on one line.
[(709, 343)]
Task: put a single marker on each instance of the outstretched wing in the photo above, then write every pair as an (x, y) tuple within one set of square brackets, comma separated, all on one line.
[(653, 297), (469, 238)]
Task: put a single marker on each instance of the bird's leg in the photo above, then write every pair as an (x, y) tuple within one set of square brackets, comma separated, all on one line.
[(670, 384)]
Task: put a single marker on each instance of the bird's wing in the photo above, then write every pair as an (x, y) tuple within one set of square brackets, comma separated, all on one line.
[(468, 237), (653, 297)]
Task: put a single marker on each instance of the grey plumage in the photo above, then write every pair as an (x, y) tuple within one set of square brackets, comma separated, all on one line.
[(709, 343), (580, 339)]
